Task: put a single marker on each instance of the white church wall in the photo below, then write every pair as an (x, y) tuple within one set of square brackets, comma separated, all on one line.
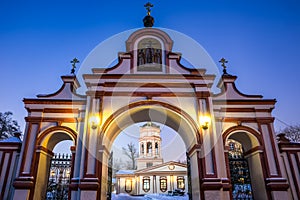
[(122, 187)]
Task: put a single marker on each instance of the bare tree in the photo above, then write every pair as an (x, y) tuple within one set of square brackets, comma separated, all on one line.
[(292, 133), (118, 164), (132, 153), (8, 126)]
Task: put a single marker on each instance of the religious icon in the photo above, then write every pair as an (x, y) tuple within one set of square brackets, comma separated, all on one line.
[(149, 55), (141, 57)]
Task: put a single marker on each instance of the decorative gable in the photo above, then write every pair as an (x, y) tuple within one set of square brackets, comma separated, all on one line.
[(148, 51), (67, 90)]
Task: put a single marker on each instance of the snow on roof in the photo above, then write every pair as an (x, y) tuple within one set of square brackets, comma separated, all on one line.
[(125, 172), (12, 139)]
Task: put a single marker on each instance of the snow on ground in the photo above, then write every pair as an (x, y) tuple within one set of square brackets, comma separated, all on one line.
[(124, 197), (165, 197), (148, 197)]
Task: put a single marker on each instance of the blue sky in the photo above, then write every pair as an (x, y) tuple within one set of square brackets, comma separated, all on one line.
[(172, 146), (261, 40)]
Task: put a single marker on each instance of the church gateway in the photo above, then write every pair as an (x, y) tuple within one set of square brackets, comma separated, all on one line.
[(231, 147)]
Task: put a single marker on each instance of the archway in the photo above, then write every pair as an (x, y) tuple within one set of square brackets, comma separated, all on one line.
[(252, 153), (46, 142), (159, 164), (156, 112)]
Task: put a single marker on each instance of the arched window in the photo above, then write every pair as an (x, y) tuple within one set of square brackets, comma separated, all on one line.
[(142, 148), (149, 147), (146, 184), (128, 185), (239, 171), (156, 148), (180, 182), (149, 55), (163, 184)]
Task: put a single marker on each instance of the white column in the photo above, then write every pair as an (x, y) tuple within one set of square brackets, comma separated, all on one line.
[(154, 184), (84, 130), (78, 154)]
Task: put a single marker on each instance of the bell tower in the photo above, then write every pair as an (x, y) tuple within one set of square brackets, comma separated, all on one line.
[(149, 146)]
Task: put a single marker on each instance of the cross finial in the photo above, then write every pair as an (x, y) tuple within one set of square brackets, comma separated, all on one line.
[(74, 62), (223, 61), (148, 7)]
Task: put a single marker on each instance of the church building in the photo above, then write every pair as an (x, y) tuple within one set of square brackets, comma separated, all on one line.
[(152, 174), (230, 144)]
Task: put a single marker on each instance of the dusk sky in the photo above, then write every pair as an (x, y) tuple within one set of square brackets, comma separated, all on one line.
[(261, 40)]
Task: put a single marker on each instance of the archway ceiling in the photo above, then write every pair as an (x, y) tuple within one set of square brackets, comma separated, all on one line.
[(155, 114)]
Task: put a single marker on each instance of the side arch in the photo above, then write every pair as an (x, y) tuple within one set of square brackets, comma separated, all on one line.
[(65, 133), (253, 148), (248, 136), (45, 143)]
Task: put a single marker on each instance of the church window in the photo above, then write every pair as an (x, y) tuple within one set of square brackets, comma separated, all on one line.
[(163, 184), (142, 148), (156, 148), (149, 147), (146, 184), (180, 182), (128, 185), (149, 164), (239, 171)]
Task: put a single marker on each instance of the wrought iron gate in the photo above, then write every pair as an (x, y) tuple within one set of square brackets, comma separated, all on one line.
[(188, 163), (59, 177), (109, 176), (239, 172)]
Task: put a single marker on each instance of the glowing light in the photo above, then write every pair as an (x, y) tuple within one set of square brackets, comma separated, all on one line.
[(94, 121), (204, 122)]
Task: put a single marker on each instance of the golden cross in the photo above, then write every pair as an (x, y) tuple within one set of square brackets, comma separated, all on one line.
[(148, 7), (74, 61), (223, 61)]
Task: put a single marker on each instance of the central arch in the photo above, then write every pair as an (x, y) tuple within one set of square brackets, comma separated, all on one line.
[(155, 111), (159, 112)]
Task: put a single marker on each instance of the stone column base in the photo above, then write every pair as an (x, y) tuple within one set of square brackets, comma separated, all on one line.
[(214, 188)]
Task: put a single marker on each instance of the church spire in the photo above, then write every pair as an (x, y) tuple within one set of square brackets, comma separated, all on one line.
[(149, 146), (148, 19)]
